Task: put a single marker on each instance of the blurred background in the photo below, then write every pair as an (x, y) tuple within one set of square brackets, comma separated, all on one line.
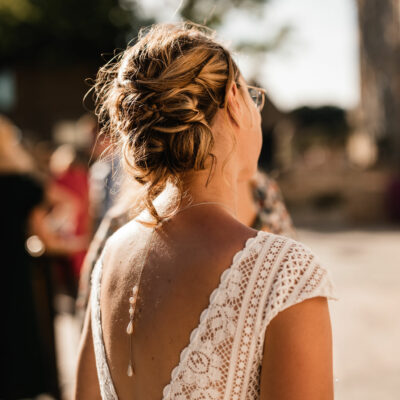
[(331, 128)]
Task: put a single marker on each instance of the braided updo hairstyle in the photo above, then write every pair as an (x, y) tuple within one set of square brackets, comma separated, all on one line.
[(157, 101)]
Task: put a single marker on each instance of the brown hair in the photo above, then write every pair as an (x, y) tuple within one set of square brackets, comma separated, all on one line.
[(157, 100)]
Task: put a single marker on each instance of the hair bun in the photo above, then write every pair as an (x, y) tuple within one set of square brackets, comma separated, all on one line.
[(158, 101)]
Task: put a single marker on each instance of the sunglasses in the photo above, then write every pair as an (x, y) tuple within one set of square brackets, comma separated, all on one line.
[(258, 96)]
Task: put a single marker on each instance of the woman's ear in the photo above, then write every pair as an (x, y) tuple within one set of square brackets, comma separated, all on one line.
[(233, 106)]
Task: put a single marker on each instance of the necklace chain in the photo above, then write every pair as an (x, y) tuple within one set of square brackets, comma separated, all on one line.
[(135, 289), (205, 203)]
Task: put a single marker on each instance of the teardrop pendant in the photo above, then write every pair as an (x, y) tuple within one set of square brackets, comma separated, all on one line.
[(129, 329)]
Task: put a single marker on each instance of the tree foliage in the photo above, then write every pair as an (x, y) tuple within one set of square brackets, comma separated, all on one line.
[(67, 31), (212, 13), (63, 31)]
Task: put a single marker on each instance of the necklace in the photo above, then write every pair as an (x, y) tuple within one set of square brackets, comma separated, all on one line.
[(207, 203), (135, 290)]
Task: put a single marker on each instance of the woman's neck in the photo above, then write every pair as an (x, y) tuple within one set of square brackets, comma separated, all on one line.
[(246, 207), (219, 188)]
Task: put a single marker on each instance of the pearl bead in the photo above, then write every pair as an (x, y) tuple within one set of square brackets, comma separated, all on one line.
[(132, 300), (129, 329), (130, 370)]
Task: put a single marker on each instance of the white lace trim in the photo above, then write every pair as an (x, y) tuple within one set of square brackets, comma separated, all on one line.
[(107, 388), (203, 316)]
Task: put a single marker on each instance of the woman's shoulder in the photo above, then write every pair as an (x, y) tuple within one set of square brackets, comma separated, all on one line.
[(279, 250), (288, 273), (285, 257), (204, 244), (120, 243)]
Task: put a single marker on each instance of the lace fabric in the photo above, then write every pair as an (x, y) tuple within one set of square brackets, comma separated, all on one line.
[(107, 389), (224, 354)]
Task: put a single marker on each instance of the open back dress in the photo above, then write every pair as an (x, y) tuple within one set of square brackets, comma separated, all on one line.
[(223, 356)]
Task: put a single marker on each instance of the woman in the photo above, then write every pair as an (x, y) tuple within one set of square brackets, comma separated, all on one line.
[(190, 133)]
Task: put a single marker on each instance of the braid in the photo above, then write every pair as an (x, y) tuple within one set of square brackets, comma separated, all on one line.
[(158, 100)]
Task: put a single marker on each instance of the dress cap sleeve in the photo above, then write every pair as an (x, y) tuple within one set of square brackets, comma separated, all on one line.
[(297, 275)]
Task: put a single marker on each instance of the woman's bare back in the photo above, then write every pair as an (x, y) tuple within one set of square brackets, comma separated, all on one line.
[(183, 266), (252, 277)]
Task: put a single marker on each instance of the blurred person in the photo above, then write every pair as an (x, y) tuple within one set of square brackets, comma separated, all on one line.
[(190, 130), (393, 197), (28, 363), (105, 179), (262, 207), (70, 216)]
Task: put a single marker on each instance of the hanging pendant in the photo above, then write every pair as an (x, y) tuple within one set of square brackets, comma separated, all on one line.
[(129, 329)]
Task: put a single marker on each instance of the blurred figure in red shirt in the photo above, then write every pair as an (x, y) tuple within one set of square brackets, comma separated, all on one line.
[(69, 191)]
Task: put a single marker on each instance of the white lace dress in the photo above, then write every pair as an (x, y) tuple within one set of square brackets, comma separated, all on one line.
[(224, 354)]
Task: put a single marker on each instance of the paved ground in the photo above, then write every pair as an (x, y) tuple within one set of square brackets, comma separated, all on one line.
[(67, 332), (365, 266)]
